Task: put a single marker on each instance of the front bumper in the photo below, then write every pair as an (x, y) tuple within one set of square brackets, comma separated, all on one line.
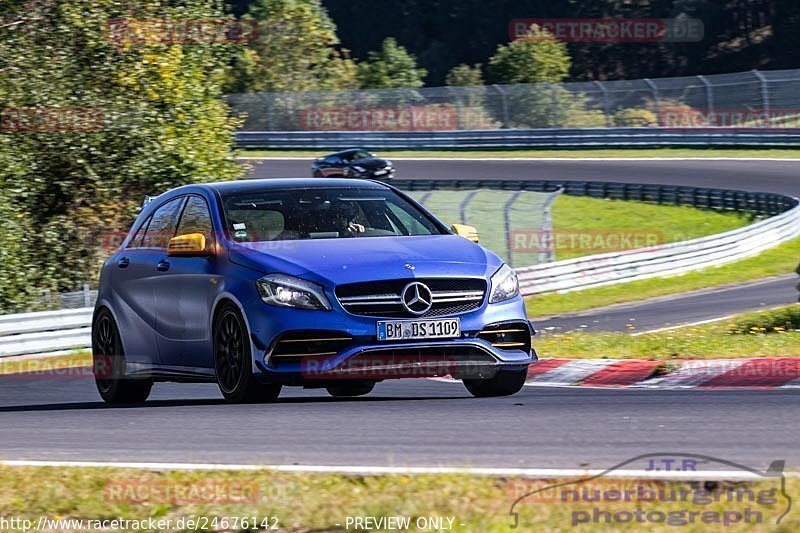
[(468, 356)]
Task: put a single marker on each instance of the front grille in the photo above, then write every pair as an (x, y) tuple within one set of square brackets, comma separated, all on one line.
[(382, 298)]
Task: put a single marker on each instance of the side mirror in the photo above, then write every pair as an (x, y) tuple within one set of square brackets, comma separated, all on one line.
[(468, 232), (191, 244)]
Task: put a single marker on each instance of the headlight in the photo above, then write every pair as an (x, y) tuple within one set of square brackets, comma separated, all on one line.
[(388, 163), (505, 285), (359, 169), (289, 291)]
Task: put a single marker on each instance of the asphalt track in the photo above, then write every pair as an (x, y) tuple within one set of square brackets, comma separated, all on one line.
[(408, 423), (671, 311)]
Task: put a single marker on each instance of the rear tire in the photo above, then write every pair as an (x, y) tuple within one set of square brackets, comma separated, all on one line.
[(350, 389), (108, 364), (317, 174), (505, 383), (233, 360)]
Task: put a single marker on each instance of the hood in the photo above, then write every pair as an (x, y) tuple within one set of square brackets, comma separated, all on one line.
[(338, 261), (370, 164)]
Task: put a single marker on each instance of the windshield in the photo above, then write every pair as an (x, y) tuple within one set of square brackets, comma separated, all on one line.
[(294, 214)]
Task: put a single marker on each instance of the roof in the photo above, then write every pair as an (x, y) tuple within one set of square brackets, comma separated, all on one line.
[(292, 183)]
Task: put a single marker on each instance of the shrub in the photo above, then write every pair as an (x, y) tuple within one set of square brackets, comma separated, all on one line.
[(635, 117)]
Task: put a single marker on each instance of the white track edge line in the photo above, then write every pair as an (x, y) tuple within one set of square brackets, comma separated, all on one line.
[(396, 470), (688, 325)]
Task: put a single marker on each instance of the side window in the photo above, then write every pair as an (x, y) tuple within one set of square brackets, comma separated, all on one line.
[(332, 160), (136, 241), (197, 219), (162, 227)]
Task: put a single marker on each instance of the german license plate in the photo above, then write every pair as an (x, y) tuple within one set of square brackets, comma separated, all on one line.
[(380, 172), (445, 328)]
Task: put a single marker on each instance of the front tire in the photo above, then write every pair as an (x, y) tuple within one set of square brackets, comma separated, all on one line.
[(350, 389), (108, 364), (233, 360), (505, 383)]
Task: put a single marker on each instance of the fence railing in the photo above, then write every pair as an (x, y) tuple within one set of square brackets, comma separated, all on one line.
[(538, 138), (755, 99)]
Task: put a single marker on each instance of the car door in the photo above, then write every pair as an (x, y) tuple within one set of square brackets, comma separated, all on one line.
[(135, 280), (333, 166), (185, 294)]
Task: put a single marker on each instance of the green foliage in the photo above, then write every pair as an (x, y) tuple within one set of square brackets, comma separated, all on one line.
[(464, 76), (390, 67), (635, 117), (156, 121), (537, 58), (295, 50)]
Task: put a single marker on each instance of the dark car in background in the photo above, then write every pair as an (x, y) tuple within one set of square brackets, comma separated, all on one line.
[(352, 163)]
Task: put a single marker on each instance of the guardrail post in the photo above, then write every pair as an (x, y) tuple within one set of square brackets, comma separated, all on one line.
[(764, 92), (656, 95), (709, 94), (556, 105), (606, 102), (464, 205), (504, 104), (87, 302), (507, 223)]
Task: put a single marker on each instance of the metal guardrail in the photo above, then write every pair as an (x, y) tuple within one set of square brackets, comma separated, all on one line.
[(50, 331), (668, 260), (46, 331), (531, 138)]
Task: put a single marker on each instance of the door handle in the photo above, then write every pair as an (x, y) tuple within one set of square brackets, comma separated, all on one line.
[(163, 265), (124, 262)]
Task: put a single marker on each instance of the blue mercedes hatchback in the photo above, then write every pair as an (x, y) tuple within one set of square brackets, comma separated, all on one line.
[(328, 283)]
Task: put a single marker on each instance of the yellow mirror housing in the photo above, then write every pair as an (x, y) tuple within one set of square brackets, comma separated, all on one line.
[(468, 232), (189, 244)]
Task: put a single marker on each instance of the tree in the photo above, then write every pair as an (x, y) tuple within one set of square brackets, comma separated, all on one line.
[(390, 67), (296, 50), (536, 58), (100, 110), (464, 76)]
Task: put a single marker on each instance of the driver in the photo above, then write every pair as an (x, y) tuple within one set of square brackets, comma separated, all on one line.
[(343, 216)]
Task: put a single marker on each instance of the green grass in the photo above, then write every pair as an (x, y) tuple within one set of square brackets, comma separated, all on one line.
[(305, 502), (718, 340), (573, 153), (780, 260), (576, 216)]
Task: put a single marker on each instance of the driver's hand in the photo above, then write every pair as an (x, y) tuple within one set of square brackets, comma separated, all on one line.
[(356, 228)]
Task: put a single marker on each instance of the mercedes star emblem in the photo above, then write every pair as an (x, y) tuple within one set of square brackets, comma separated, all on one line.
[(417, 298)]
